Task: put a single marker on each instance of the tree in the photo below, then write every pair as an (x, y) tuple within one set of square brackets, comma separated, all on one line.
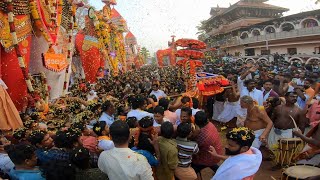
[(145, 53), (153, 60)]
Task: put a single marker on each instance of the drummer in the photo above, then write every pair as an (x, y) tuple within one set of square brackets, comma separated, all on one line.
[(311, 152), (283, 124)]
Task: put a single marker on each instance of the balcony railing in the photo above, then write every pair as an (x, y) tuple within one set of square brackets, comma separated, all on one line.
[(235, 41)]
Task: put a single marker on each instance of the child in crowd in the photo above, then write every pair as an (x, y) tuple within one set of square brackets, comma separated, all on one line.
[(168, 153), (102, 130), (142, 141), (86, 140), (186, 149)]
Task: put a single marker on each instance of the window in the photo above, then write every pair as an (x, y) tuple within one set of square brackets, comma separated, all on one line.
[(265, 52), (250, 52), (292, 51)]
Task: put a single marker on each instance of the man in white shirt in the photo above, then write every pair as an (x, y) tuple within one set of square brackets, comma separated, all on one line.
[(121, 162), (156, 91), (185, 102), (137, 109), (108, 111), (251, 91), (159, 118)]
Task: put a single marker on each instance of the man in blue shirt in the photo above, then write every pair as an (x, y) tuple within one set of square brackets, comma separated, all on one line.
[(108, 110)]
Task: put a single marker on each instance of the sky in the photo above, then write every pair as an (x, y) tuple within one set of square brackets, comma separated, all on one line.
[(153, 22)]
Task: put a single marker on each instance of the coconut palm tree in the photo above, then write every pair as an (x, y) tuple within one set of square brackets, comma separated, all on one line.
[(145, 54)]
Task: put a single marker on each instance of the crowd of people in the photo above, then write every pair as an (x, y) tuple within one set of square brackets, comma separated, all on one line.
[(136, 126)]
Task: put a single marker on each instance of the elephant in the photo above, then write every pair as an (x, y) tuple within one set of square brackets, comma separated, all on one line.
[(34, 36), (87, 47)]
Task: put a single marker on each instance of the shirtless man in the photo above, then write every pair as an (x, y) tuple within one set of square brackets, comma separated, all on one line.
[(311, 152), (283, 124), (231, 106), (257, 120)]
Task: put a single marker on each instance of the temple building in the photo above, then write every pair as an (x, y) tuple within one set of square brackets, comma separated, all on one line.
[(255, 30), (131, 49)]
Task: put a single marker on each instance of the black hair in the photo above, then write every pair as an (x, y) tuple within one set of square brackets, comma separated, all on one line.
[(185, 99), (98, 127), (167, 130), (183, 129), (145, 144), (195, 103), (132, 122), (311, 81), (120, 109), (20, 152), (66, 139), (246, 82), (119, 132), (80, 157), (275, 101), (288, 93), (35, 116), (164, 103), (20, 133), (153, 97), (94, 107), (106, 105), (158, 110), (242, 136), (187, 110), (36, 137), (28, 124), (138, 102), (75, 106), (201, 119), (146, 122), (58, 170), (268, 80), (78, 125)]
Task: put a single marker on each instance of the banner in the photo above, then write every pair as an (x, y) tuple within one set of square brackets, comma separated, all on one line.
[(55, 62)]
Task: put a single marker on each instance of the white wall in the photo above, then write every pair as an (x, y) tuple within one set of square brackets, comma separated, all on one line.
[(282, 49), (302, 48)]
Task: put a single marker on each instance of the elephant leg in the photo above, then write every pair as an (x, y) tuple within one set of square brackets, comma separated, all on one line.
[(12, 74)]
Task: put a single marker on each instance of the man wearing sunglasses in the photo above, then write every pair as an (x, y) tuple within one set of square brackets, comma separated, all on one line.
[(156, 91)]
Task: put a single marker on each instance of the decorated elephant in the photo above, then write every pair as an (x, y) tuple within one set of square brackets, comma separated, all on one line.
[(101, 43), (21, 25), (88, 48)]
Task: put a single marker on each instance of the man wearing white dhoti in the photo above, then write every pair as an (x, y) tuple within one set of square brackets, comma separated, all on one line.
[(256, 120), (231, 106), (283, 123)]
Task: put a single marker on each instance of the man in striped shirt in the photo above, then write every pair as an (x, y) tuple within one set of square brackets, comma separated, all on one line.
[(185, 151)]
